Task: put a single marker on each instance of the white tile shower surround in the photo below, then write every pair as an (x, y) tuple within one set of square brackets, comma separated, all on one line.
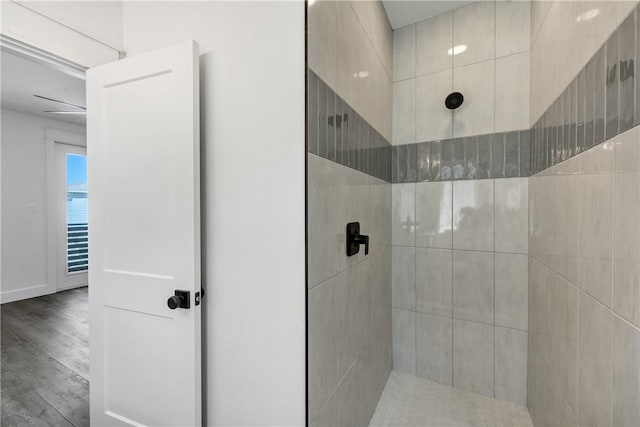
[(411, 401)]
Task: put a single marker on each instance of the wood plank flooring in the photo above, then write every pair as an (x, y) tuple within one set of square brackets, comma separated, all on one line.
[(44, 359)]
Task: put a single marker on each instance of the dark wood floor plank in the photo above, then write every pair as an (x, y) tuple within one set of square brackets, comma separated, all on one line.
[(45, 360), (30, 409)]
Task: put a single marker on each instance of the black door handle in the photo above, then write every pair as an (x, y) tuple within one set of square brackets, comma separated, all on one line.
[(181, 299), (355, 239)]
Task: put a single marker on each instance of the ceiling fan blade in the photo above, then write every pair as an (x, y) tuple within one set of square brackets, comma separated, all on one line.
[(67, 112), (61, 102)]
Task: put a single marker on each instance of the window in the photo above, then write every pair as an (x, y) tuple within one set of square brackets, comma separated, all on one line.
[(77, 214)]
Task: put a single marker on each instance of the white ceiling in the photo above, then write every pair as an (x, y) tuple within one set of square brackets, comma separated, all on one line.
[(22, 78), (405, 12)]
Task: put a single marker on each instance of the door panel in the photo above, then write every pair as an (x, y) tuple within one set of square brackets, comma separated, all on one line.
[(143, 150)]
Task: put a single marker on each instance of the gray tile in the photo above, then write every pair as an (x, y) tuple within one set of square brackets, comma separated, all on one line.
[(403, 277), (573, 117), (566, 120), (347, 136), (473, 351), (395, 178), (626, 374), (331, 124), (562, 141), (637, 74), (404, 341), (525, 153), (497, 155), (512, 154), (323, 356), (435, 160), (446, 159), (473, 290), (511, 365), (434, 348), (470, 145), (457, 167), (423, 161), (484, 157), (365, 132), (323, 90), (400, 152), (594, 364), (626, 104), (580, 101), (511, 288), (313, 113), (611, 91), (412, 163), (434, 281), (600, 96), (590, 102), (338, 118)]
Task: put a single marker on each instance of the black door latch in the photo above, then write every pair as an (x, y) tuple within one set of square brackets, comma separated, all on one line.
[(355, 239), (181, 299)]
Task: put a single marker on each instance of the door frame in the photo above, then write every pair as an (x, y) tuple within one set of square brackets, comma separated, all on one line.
[(52, 137)]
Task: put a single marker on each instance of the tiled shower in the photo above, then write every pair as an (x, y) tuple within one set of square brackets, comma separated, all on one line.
[(504, 252)]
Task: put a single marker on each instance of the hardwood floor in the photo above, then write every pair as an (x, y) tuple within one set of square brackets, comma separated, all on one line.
[(45, 360)]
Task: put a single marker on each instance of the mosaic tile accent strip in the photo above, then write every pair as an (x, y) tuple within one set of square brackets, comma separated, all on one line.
[(498, 155), (602, 101), (337, 133)]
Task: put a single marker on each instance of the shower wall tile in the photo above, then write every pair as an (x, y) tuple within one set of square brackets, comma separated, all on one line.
[(626, 374), (434, 348), (404, 112), (511, 291), (433, 285), (404, 53), (434, 37), (403, 274), (611, 91), (434, 204), (476, 82), (512, 88), (627, 50), (323, 314), (512, 27), (511, 365), (474, 27), (511, 215), (594, 363), (473, 215), (473, 289), (322, 199), (404, 341), (473, 357), (403, 219), (600, 95), (322, 40), (433, 120)]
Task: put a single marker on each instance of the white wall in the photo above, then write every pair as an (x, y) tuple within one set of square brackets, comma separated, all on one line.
[(252, 115), (55, 27), (24, 234)]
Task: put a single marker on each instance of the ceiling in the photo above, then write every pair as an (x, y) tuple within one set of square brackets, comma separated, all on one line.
[(405, 12), (22, 78)]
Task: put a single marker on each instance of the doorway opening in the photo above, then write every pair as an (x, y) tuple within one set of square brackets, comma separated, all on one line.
[(44, 245)]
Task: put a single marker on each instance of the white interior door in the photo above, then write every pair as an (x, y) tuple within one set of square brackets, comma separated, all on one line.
[(71, 215), (144, 244)]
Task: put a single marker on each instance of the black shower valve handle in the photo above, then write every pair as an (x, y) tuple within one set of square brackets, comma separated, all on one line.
[(355, 239), (361, 239)]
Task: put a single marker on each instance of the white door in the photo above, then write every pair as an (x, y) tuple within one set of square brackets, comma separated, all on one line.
[(71, 214), (144, 241)]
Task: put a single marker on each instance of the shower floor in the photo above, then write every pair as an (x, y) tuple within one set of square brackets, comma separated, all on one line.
[(412, 401)]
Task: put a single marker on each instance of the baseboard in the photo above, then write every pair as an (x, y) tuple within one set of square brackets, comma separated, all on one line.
[(68, 288), (24, 293)]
